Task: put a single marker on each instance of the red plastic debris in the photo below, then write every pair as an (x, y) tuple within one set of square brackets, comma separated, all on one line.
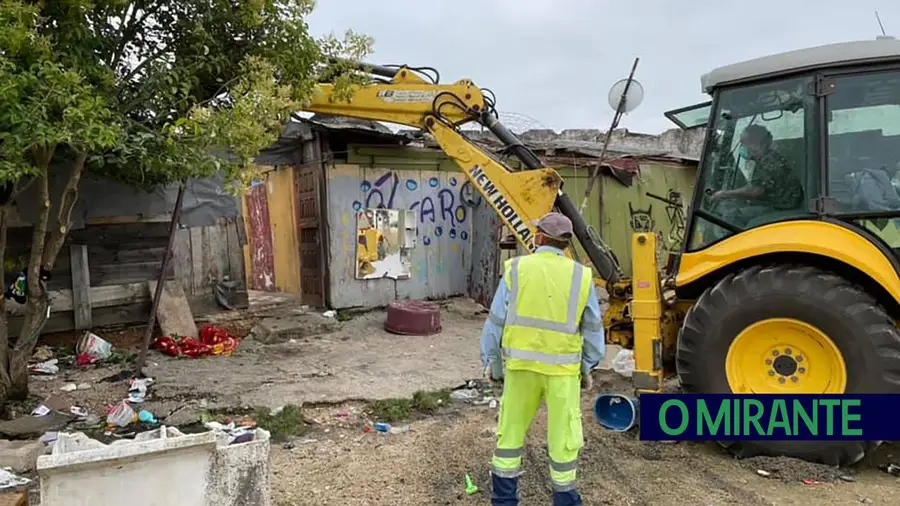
[(212, 341)]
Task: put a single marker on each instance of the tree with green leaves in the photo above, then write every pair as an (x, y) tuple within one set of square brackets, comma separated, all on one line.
[(147, 92)]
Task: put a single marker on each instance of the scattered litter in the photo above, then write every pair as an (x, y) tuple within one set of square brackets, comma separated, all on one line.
[(399, 430), (40, 410), (212, 341), (91, 349), (848, 478), (382, 427), (892, 469), (79, 411), (623, 363), (763, 473), (49, 437), (810, 481), (233, 433), (69, 387), (49, 367), (342, 414), (147, 417), (331, 313), (465, 394), (137, 391), (121, 416), (10, 480), (42, 353), (493, 404), (471, 488)]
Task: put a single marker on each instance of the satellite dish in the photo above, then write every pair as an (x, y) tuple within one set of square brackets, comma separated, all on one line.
[(632, 100)]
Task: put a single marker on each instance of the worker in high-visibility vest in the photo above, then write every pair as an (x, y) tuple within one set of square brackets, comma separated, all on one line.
[(543, 335)]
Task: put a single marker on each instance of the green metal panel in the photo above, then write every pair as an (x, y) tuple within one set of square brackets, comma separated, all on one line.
[(628, 209)]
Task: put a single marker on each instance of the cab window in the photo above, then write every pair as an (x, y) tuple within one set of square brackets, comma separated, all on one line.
[(863, 127), (755, 168)]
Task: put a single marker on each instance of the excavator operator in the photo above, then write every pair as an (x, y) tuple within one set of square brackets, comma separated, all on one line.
[(773, 185), (546, 322)]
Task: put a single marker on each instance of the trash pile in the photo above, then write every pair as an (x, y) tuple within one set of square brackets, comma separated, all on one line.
[(212, 341), (123, 414), (470, 392)]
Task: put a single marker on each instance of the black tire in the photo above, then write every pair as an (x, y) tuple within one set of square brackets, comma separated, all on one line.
[(866, 336)]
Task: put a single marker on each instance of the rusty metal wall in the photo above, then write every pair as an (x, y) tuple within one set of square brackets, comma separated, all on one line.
[(485, 267)]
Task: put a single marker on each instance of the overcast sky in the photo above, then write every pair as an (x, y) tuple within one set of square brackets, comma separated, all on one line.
[(553, 61)]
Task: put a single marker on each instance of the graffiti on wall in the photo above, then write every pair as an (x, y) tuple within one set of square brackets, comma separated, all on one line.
[(442, 209), (641, 219), (675, 213)]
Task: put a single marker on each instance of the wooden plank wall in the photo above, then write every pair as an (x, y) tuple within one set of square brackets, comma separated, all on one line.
[(100, 277)]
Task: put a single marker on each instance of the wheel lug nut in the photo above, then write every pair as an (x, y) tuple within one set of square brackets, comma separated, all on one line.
[(787, 351), (781, 379), (768, 361), (794, 379), (802, 370), (799, 358), (775, 353), (771, 373)]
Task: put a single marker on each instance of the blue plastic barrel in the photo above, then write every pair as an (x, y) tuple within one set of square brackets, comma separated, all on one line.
[(616, 412)]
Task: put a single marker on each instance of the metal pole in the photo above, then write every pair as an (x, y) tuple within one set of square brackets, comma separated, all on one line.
[(595, 171), (151, 323)]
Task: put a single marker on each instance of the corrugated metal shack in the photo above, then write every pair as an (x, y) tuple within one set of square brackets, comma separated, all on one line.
[(301, 216), (116, 245)]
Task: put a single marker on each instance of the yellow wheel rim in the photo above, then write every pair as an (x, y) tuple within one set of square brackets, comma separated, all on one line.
[(784, 356)]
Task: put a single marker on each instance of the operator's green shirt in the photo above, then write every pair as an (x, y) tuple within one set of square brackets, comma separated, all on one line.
[(781, 188)]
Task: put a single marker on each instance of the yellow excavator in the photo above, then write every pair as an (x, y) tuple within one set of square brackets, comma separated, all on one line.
[(788, 279)]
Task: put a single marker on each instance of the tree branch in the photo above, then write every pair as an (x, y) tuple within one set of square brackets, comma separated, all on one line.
[(57, 237), (43, 157), (143, 64), (5, 378)]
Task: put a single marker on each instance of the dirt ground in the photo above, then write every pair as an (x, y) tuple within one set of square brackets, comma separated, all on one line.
[(333, 376), (337, 464)]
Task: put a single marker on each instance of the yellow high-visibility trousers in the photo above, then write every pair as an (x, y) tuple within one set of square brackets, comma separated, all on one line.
[(522, 395)]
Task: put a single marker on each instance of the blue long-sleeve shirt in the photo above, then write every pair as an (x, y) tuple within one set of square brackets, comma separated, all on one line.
[(594, 344)]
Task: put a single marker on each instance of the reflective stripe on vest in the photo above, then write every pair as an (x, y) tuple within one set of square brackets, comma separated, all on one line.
[(541, 331), (571, 324)]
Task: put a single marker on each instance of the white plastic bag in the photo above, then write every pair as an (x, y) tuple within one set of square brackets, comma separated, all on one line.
[(93, 345), (122, 415), (623, 363)]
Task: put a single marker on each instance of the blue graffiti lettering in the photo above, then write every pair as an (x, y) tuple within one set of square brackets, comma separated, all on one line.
[(464, 235), (433, 182), (452, 181), (411, 184), (426, 240), (453, 233), (371, 194), (446, 199), (357, 205), (427, 209), (438, 231), (365, 186)]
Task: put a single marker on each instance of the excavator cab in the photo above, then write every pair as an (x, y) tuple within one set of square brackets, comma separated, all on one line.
[(791, 256)]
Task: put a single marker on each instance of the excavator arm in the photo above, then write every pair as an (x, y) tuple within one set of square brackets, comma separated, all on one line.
[(404, 97)]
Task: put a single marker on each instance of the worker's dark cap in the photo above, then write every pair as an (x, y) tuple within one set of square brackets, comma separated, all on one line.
[(555, 226)]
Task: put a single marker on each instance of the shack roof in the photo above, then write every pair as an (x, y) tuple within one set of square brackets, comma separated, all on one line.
[(882, 49)]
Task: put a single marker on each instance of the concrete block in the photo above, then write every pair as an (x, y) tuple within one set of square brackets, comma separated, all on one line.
[(162, 468), (20, 456), (280, 329)]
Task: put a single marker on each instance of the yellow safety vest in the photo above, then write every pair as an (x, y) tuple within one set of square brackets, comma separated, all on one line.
[(548, 294)]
